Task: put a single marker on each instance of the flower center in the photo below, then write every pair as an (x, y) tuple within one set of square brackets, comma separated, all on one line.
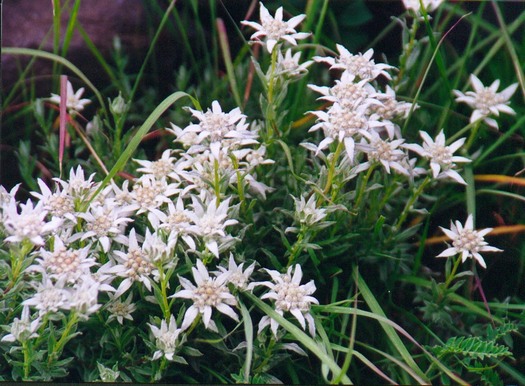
[(208, 294), (274, 28), (469, 240)]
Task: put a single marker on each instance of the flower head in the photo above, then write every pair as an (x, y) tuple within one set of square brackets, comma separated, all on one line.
[(415, 5), (288, 64), (166, 338), (467, 241), (209, 292), (236, 275), (120, 309), (24, 328), (29, 223), (73, 102), (486, 100), (289, 296), (360, 65), (275, 28), (442, 160)]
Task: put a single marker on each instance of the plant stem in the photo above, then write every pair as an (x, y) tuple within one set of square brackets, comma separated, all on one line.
[(331, 171), (453, 272), (411, 202)]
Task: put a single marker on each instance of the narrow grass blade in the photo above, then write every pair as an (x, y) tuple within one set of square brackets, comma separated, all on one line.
[(137, 138), (248, 333), (371, 301), (500, 179), (226, 55), (63, 121), (56, 58), (298, 334)]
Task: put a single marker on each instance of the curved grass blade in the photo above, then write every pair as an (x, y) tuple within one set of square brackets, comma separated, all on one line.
[(300, 335), (56, 58), (137, 138)]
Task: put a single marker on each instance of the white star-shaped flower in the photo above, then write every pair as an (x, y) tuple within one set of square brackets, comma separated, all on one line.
[(275, 28), (74, 102), (442, 160), (289, 296), (209, 292), (467, 241), (486, 100), (166, 338)]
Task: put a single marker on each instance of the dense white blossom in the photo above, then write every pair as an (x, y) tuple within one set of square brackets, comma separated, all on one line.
[(486, 100), (74, 101), (275, 28), (467, 242), (209, 292)]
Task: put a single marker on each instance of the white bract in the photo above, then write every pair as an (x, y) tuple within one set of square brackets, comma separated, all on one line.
[(442, 158), (467, 242), (289, 296), (166, 338), (360, 65), (486, 100), (74, 102), (28, 224), (209, 292), (275, 28), (23, 329)]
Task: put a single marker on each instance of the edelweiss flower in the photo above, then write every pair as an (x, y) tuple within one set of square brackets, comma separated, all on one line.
[(345, 125), (288, 65), (73, 102), (209, 292), (467, 241), (442, 160), (149, 193), (486, 100), (389, 107), (415, 5), (162, 168), (23, 329), (59, 204), (215, 123), (385, 152), (307, 213), (103, 224), (77, 186), (360, 65), (29, 224), (209, 222), (290, 296), (176, 221), (63, 261), (347, 92), (50, 297), (275, 29), (119, 309), (84, 296), (236, 275), (135, 265), (166, 338)]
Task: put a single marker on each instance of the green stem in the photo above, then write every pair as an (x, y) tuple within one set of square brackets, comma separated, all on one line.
[(296, 249), (406, 54), (59, 346), (216, 182), (411, 202), (472, 136), (27, 359), (271, 80), (453, 272), (362, 188), (331, 171)]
